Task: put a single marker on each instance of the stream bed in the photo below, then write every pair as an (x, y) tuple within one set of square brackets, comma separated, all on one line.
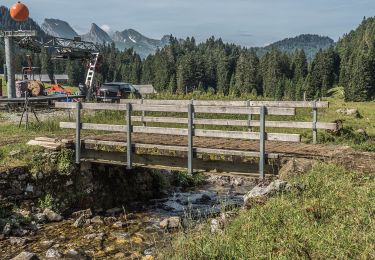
[(139, 233)]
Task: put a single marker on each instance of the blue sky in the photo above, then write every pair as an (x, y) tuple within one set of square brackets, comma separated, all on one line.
[(245, 22)]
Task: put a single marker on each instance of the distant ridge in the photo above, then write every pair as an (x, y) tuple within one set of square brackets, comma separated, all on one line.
[(310, 43)]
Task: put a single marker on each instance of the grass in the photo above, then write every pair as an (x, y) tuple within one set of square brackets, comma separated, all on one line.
[(330, 215)]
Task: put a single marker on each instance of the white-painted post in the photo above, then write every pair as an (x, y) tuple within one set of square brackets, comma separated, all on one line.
[(262, 138), (190, 137), (78, 132), (129, 152), (315, 120)]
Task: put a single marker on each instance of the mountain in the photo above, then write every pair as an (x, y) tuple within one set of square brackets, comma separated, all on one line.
[(143, 45), (58, 28), (310, 43), (96, 35)]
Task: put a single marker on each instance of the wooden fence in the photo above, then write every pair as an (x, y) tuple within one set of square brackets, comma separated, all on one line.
[(202, 107)]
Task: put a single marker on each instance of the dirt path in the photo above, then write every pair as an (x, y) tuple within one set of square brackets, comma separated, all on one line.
[(343, 155)]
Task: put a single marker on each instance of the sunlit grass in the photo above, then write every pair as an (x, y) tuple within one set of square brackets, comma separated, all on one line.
[(328, 214)]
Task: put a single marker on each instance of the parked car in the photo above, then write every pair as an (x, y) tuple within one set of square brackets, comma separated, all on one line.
[(114, 91)]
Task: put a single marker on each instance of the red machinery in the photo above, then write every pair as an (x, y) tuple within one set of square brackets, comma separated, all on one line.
[(59, 89)]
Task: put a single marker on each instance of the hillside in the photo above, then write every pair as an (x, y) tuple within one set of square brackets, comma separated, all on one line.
[(357, 54), (58, 28), (310, 43)]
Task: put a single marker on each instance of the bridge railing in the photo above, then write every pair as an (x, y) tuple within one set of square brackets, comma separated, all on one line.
[(314, 125), (190, 131)]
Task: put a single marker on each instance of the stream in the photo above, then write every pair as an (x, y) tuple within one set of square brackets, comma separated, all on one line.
[(136, 234)]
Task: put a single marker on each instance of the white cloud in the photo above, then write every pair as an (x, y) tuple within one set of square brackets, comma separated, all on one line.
[(106, 28)]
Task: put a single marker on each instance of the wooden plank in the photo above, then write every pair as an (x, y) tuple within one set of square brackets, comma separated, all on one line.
[(289, 104), (184, 132), (46, 139), (99, 127), (295, 104), (230, 122), (179, 108), (173, 162), (244, 110), (181, 149), (160, 130), (247, 135)]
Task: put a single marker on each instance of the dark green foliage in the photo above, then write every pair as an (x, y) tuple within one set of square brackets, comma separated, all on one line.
[(323, 74), (357, 52), (309, 43)]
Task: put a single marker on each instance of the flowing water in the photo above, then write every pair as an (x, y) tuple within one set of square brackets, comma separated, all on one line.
[(134, 234)]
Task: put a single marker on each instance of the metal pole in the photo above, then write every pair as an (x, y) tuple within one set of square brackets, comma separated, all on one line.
[(250, 117), (78, 132), (190, 137), (27, 110), (129, 136), (262, 138), (143, 114), (9, 49), (315, 120)]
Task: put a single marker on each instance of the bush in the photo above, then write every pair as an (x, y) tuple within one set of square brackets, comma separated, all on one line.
[(50, 163)]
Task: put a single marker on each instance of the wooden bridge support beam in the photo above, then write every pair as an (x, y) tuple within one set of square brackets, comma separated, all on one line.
[(190, 137), (78, 132), (315, 120), (262, 138), (129, 153)]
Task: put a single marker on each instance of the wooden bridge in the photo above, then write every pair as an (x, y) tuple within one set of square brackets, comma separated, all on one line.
[(193, 147)]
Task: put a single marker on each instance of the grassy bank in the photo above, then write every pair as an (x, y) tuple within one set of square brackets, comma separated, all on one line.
[(330, 215)]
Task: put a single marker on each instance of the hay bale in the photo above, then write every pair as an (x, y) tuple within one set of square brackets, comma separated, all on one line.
[(35, 88)]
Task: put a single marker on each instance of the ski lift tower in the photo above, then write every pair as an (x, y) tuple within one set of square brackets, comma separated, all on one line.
[(9, 37)]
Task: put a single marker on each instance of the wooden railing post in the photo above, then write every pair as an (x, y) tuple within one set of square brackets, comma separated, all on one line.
[(78, 132), (262, 138), (143, 114), (314, 123), (250, 117), (129, 130), (190, 137)]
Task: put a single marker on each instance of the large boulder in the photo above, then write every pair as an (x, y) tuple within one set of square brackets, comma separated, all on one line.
[(261, 192), (7, 229), (87, 213), (52, 253), (52, 216), (26, 256), (295, 167), (79, 222), (349, 112), (18, 241), (170, 223)]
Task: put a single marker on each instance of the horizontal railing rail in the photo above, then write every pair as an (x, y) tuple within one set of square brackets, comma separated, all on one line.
[(232, 122), (181, 109), (184, 132), (246, 103)]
